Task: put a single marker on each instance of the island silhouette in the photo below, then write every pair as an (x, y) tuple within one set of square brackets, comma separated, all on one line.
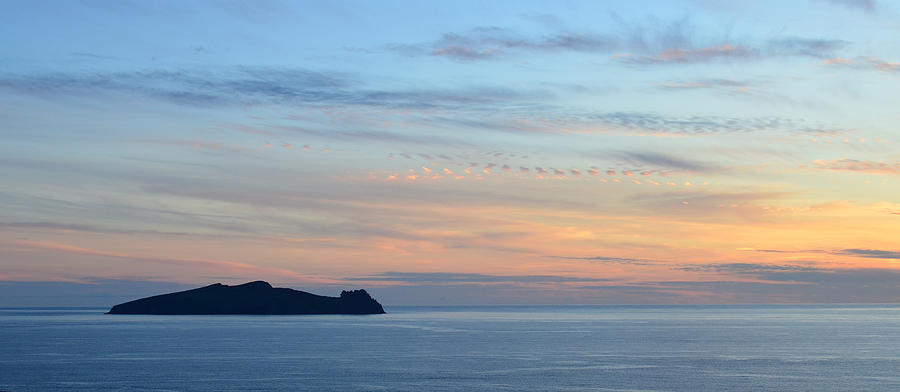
[(257, 297)]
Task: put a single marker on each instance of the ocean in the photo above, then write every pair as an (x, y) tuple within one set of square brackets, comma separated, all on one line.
[(526, 348)]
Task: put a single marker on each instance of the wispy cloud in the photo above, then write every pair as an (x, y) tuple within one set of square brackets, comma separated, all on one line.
[(773, 284), (807, 47), (492, 108), (452, 277), (722, 52), (215, 265), (689, 55), (664, 161), (863, 5), (655, 124), (745, 268), (870, 253), (207, 145), (867, 253), (858, 166), (252, 86), (708, 205), (64, 248), (672, 44), (488, 43), (368, 136), (608, 259), (863, 62), (702, 84)]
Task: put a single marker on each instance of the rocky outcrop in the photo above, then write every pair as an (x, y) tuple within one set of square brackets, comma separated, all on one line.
[(251, 298)]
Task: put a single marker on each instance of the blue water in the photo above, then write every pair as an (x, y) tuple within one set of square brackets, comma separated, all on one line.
[(591, 348)]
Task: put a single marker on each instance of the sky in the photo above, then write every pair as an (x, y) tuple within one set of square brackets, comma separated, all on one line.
[(446, 153)]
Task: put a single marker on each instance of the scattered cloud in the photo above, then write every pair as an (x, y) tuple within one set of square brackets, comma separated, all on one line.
[(442, 109), (655, 124)]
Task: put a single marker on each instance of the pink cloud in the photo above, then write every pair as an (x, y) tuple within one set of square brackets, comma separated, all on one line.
[(874, 63), (245, 269), (853, 165), (690, 55)]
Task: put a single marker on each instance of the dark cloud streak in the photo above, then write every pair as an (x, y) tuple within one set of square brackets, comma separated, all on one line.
[(254, 86), (451, 277), (665, 161), (869, 6), (669, 44), (488, 43), (870, 253), (607, 259)]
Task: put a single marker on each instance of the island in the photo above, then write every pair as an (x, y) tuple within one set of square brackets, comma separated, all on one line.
[(250, 298)]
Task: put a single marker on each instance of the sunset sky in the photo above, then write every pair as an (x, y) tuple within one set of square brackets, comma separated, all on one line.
[(452, 152)]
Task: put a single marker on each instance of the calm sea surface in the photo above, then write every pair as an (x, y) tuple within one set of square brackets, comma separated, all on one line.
[(589, 348)]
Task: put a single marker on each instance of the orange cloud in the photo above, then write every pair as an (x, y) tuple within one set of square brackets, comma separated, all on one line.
[(837, 60)]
